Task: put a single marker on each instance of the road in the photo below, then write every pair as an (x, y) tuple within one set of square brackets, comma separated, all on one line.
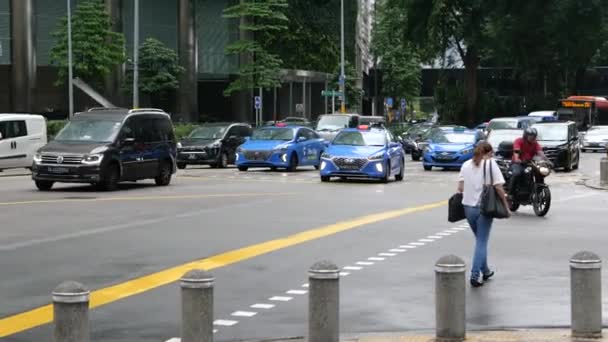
[(108, 239)]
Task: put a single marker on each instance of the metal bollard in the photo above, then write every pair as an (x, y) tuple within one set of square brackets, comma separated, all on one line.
[(586, 295), (604, 172), (197, 306), (450, 287), (71, 312), (324, 302)]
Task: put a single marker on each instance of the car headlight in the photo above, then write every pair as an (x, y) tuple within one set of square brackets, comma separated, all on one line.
[(467, 151), (325, 155), (92, 159), (280, 150), (37, 158), (544, 171), (377, 156), (179, 145), (427, 149)]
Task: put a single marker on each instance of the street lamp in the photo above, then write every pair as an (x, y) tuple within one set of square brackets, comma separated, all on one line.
[(342, 76), (70, 71), (136, 55)]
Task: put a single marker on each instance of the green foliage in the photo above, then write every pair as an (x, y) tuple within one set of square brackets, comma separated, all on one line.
[(398, 58), (182, 130), (54, 126), (159, 69), (96, 49), (263, 19)]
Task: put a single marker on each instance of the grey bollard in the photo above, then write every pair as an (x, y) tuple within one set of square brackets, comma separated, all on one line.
[(450, 287), (324, 302), (197, 306), (71, 312), (586, 295), (604, 172)]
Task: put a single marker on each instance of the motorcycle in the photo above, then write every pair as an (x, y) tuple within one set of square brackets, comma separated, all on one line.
[(531, 188)]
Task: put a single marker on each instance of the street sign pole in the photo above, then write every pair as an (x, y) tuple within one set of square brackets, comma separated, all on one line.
[(333, 104), (342, 76), (136, 56), (70, 64)]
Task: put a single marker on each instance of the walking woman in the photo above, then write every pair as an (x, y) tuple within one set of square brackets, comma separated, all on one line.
[(471, 182)]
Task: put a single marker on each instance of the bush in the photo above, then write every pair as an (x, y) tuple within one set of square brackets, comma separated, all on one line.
[(183, 129), (53, 127)]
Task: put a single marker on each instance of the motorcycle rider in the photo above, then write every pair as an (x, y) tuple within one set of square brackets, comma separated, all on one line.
[(524, 150)]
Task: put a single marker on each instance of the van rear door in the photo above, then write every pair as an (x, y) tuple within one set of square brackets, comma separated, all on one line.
[(14, 144)]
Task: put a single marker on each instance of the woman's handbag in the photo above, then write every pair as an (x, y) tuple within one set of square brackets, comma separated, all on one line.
[(490, 203), (455, 208)]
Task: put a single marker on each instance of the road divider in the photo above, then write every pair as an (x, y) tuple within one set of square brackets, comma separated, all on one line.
[(43, 315)]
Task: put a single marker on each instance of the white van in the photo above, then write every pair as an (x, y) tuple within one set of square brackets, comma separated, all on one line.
[(21, 135)]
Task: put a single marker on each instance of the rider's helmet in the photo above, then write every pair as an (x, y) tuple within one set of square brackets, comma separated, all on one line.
[(530, 132)]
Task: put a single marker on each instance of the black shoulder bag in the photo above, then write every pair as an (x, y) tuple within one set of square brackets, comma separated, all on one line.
[(490, 204)]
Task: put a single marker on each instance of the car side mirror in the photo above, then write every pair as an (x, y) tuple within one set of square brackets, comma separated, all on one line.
[(128, 142)]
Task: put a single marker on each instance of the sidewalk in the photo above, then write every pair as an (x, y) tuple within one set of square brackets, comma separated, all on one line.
[(549, 335), (15, 173)]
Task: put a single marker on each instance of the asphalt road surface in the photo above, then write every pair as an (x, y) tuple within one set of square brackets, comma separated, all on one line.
[(244, 226)]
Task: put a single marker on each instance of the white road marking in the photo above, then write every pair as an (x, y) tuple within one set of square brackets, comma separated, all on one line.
[(175, 339), (262, 306), (305, 285), (344, 274), (376, 259), (297, 292), (460, 228), (417, 243), (435, 237), (407, 246), (224, 322), (452, 231), (364, 263), (353, 268), (397, 250), (243, 314), (426, 240), (280, 299), (387, 254), (444, 234)]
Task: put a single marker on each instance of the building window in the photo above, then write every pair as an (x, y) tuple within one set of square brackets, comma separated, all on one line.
[(214, 34), (157, 18), (5, 32)]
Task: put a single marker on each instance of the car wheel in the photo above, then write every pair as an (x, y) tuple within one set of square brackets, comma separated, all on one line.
[(399, 177), (181, 166), (164, 176), (223, 161), (578, 161), (387, 174), (109, 179), (293, 163), (583, 150), (243, 168), (415, 157), (44, 185), (568, 166), (428, 168), (325, 178)]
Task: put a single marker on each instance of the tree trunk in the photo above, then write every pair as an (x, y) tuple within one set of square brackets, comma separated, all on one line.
[(471, 63)]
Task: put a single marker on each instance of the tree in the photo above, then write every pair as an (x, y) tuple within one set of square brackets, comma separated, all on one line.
[(437, 26), (96, 49), (397, 57), (264, 19), (159, 70)]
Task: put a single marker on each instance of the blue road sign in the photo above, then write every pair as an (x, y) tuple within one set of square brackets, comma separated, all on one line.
[(258, 102), (403, 104), (389, 102)]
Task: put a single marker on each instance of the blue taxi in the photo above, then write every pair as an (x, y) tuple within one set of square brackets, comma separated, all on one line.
[(447, 149), (280, 146), (363, 152)]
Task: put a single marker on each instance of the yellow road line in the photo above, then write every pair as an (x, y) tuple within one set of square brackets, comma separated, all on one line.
[(144, 198), (43, 315)]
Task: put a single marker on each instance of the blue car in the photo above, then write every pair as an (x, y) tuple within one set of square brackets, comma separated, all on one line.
[(363, 153), (280, 146), (449, 149)]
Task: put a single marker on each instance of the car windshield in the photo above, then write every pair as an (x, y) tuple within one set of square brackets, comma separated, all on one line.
[(98, 131), (454, 138), (502, 124), (333, 122), (285, 134), (552, 132), (208, 132), (497, 137), (360, 139)]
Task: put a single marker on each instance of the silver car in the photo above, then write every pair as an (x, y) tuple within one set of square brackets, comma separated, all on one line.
[(595, 139)]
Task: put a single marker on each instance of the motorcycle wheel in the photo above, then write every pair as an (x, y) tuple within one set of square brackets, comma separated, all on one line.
[(513, 206), (541, 200)]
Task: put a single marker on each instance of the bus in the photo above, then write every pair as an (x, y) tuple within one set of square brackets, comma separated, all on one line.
[(586, 111)]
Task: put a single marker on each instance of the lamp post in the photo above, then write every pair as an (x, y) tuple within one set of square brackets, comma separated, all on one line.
[(70, 66), (342, 76), (136, 55)]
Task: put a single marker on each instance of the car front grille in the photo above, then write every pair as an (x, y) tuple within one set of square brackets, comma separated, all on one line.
[(349, 163), (445, 157), (551, 153), (61, 159), (257, 155)]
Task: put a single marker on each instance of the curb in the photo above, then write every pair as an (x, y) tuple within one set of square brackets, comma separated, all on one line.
[(593, 185)]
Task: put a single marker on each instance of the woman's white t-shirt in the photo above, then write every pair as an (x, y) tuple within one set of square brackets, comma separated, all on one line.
[(472, 176)]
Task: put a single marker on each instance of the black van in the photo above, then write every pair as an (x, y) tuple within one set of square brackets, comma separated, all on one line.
[(560, 143), (212, 144), (107, 146)]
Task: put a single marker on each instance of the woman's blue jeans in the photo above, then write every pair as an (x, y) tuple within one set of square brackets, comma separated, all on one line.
[(481, 226)]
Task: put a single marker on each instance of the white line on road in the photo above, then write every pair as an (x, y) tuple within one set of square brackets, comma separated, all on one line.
[(426, 240), (434, 237), (417, 243), (175, 339), (387, 254), (262, 306), (344, 274), (397, 250), (297, 292), (305, 285), (243, 314), (353, 268), (460, 228), (407, 246), (280, 299), (444, 234), (376, 259), (225, 322), (364, 263)]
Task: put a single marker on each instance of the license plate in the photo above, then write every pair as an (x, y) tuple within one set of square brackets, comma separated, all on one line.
[(59, 170), (192, 156)]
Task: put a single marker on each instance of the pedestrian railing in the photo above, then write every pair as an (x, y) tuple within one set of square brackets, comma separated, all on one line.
[(71, 303)]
